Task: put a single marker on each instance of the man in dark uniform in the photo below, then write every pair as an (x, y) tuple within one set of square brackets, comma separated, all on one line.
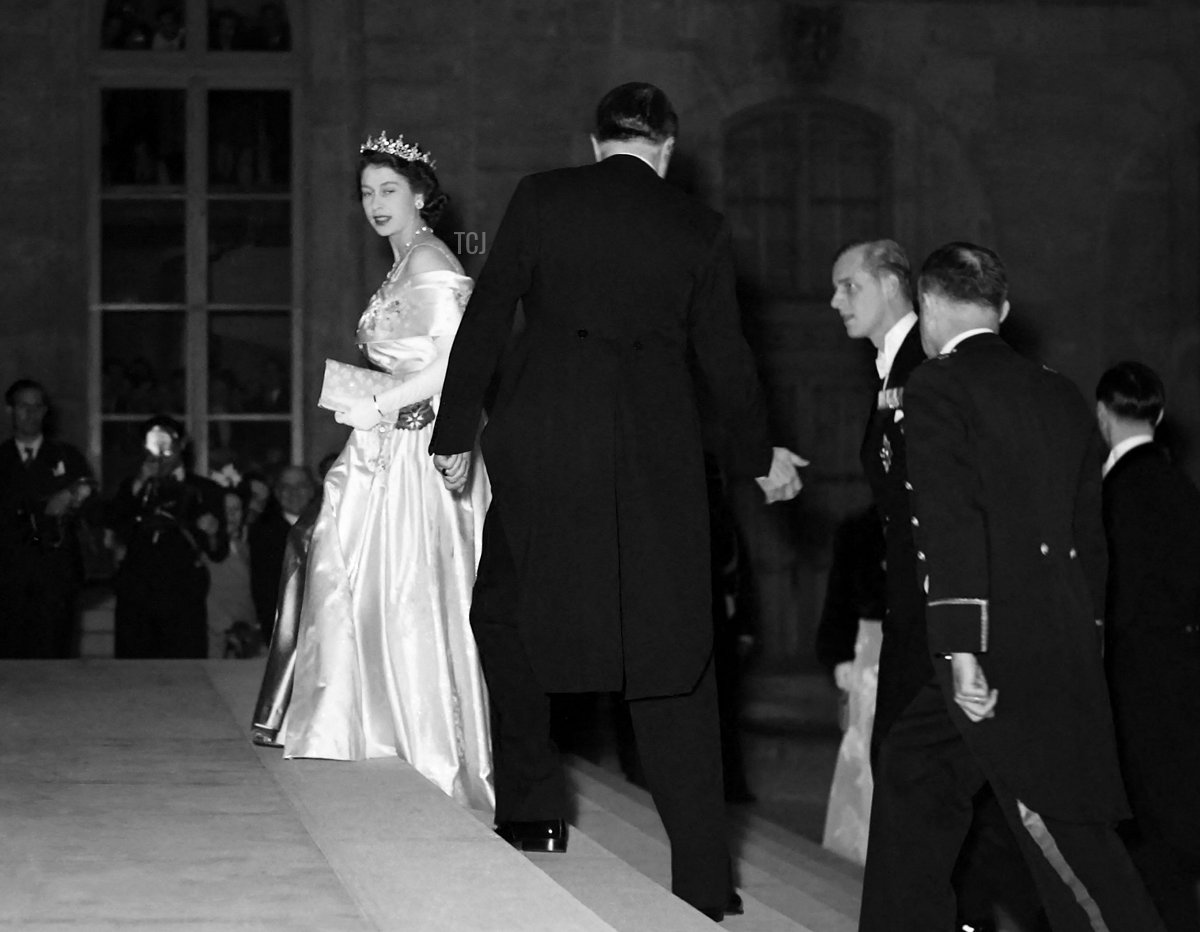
[(165, 518), (1003, 456), (594, 574), (872, 283), (1152, 518), (43, 482)]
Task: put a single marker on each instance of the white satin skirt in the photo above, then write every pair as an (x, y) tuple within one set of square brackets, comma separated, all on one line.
[(385, 660), (849, 812)]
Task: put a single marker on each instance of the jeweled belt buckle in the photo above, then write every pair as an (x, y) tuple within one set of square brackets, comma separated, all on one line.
[(415, 416)]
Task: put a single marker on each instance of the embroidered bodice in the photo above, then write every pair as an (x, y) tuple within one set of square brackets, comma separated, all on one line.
[(397, 329)]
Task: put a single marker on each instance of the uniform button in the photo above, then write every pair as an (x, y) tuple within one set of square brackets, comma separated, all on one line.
[(1072, 554), (908, 486), (637, 344), (915, 522), (920, 554), (1045, 549), (582, 334)]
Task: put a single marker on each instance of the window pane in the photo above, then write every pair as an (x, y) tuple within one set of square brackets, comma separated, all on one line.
[(248, 26), (251, 446), (249, 141), (141, 252), (249, 252), (249, 363), (142, 137), (140, 25), (142, 368)]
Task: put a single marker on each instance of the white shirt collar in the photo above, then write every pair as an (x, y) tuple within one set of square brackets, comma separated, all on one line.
[(955, 340), (892, 341), (1122, 448), (34, 445), (289, 517)]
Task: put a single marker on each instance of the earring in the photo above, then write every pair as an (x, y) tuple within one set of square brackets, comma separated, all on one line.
[(419, 203)]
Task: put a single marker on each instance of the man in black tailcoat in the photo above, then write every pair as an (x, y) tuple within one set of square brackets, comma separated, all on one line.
[(1003, 458), (165, 519), (1152, 518), (595, 571), (43, 482)]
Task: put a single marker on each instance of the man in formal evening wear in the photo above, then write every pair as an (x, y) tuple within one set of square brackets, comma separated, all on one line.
[(165, 519), (1002, 456), (43, 483), (1152, 635), (292, 490), (872, 293), (595, 570)]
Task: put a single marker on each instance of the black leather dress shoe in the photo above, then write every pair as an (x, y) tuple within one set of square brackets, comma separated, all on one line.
[(542, 835), (734, 907), (265, 737)]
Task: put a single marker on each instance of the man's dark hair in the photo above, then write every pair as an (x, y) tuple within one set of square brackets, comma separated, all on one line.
[(965, 273), (1132, 390), (21, 385), (635, 111), (883, 256)]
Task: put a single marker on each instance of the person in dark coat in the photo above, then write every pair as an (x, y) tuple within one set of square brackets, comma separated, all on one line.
[(43, 484), (292, 491), (872, 282), (165, 519), (595, 572), (1002, 456), (1152, 635)]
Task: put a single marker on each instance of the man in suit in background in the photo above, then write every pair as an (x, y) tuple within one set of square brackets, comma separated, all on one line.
[(1002, 457), (43, 482), (872, 293), (1152, 518), (595, 571), (292, 490)]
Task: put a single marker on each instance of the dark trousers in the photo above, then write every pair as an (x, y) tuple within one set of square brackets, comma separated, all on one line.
[(678, 740), (39, 588), (926, 784)]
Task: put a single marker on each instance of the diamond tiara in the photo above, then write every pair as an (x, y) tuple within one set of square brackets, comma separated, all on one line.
[(397, 147)]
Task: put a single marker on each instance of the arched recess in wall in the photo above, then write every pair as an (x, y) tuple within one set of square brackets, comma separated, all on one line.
[(803, 176)]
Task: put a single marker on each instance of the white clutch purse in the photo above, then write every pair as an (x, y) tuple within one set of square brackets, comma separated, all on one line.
[(345, 384)]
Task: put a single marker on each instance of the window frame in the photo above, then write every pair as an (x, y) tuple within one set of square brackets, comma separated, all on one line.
[(196, 71)]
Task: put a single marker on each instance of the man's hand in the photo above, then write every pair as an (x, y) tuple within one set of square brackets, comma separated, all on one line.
[(842, 675), (971, 688), (454, 469), (783, 482), (362, 415)]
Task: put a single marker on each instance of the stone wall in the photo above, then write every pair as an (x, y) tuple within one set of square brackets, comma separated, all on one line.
[(1063, 134)]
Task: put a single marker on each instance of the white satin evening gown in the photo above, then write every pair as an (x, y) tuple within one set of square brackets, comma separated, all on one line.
[(385, 660)]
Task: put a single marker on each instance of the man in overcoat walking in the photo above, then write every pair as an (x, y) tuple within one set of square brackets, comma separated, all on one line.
[(594, 574), (1003, 457)]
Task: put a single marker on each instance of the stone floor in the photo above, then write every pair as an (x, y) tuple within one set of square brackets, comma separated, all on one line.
[(130, 797)]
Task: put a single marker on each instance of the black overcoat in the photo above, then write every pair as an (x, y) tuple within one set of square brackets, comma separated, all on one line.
[(593, 441), (1152, 517), (1004, 456), (904, 664)]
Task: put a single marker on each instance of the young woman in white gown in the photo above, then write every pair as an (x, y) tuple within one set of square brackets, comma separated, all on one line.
[(385, 660)]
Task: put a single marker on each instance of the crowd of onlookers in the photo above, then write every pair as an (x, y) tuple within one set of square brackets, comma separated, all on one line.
[(194, 561), (137, 26)]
